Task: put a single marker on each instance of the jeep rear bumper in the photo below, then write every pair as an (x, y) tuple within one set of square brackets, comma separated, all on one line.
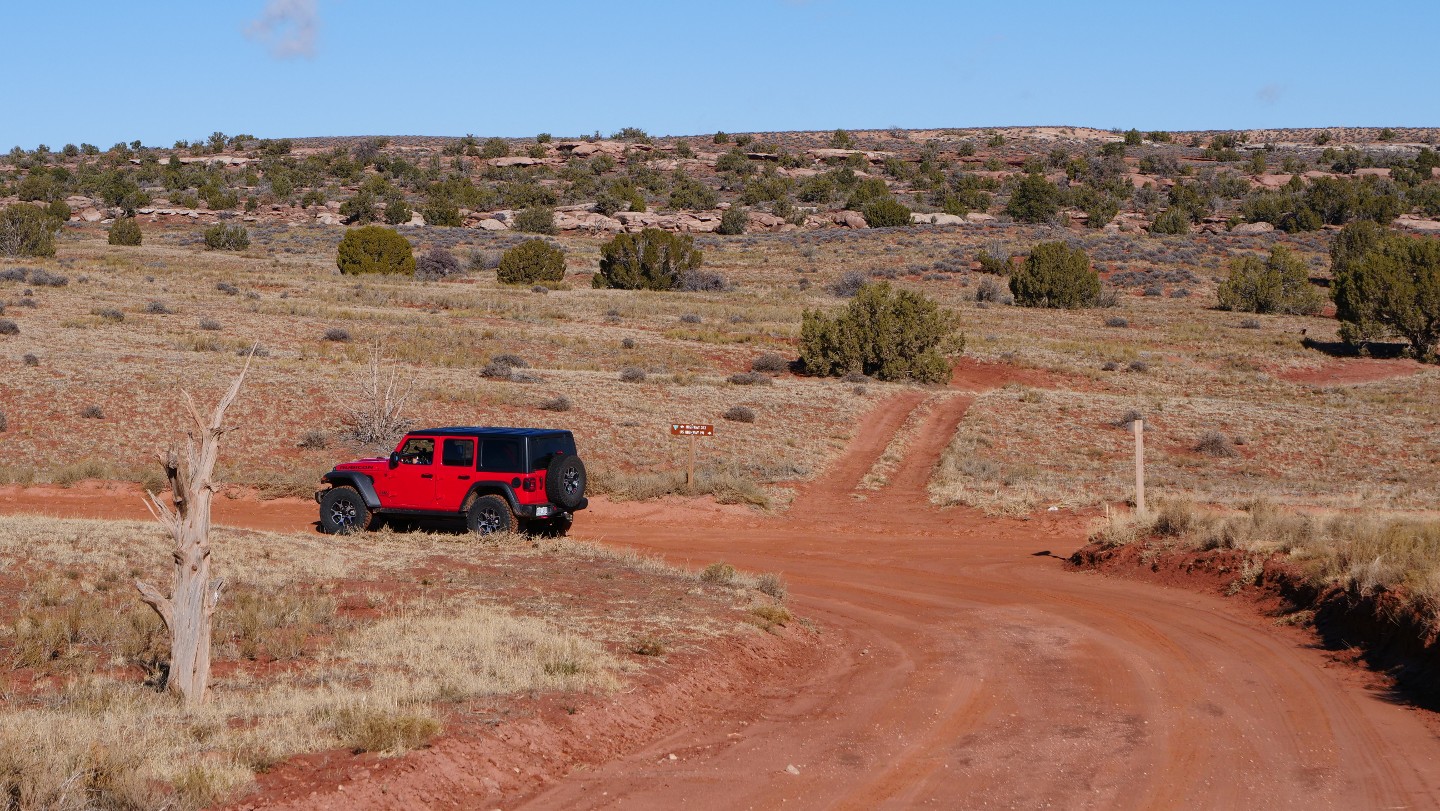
[(543, 511)]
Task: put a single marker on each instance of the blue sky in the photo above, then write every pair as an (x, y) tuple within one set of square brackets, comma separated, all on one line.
[(159, 71)]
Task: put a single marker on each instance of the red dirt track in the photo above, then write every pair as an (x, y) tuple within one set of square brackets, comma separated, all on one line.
[(968, 670)]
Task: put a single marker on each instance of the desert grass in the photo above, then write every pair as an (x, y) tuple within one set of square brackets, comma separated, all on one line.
[(363, 643), (1358, 551), (1018, 450), (726, 485), (1189, 367)]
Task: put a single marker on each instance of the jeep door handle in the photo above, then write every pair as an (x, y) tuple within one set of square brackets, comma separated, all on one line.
[(463, 478), (427, 475)]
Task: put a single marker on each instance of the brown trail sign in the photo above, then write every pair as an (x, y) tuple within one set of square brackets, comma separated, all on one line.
[(691, 430)]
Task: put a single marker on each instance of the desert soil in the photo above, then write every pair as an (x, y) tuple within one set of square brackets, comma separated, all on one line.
[(962, 667)]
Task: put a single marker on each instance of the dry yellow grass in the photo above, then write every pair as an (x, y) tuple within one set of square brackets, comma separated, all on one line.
[(440, 335), (1338, 446), (418, 636), (1361, 551)]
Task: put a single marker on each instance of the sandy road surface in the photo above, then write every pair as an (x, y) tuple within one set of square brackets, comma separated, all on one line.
[(980, 675), (975, 673)]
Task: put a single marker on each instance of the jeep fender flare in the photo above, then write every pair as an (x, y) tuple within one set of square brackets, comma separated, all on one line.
[(362, 484), (501, 489)]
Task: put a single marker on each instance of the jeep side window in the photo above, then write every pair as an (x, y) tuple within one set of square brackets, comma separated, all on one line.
[(500, 454), (418, 451), (458, 453)]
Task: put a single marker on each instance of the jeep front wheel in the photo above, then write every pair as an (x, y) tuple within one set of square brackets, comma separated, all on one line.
[(343, 511), (488, 515)]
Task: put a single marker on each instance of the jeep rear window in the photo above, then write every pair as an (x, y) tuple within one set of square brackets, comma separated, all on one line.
[(458, 453), (500, 454), (543, 449)]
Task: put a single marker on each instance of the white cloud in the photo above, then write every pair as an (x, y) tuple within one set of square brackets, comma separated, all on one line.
[(288, 28)]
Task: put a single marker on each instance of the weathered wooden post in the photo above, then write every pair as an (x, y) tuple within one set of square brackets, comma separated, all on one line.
[(692, 431), (1139, 424)]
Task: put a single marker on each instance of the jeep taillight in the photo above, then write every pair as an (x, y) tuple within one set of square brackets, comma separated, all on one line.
[(530, 484)]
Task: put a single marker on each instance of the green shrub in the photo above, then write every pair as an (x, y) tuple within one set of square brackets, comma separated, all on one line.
[(998, 265), (59, 211), (27, 230), (375, 249), (886, 212), (1056, 275), (221, 237), (1277, 284), (1034, 199), (734, 161), (125, 231), (442, 212), (884, 333), (688, 193), (1338, 201), (733, 221), (536, 220), (1173, 220), (865, 191), (494, 148), (360, 208), (531, 262), (397, 211), (1386, 284), (650, 260)]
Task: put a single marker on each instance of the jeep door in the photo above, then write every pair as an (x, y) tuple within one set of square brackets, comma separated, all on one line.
[(455, 473), (410, 484)]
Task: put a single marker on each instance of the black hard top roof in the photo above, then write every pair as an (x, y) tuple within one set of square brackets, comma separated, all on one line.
[(484, 431)]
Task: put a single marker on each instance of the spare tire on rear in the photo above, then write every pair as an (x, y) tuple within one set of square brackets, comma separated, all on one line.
[(565, 481)]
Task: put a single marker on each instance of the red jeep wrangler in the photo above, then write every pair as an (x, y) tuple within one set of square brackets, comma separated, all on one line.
[(497, 479)]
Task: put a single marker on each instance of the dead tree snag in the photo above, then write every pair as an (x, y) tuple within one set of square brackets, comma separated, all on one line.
[(188, 610)]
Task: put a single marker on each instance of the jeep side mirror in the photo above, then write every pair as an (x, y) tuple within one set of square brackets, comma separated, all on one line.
[(394, 459)]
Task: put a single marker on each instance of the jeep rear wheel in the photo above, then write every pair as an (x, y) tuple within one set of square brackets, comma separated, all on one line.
[(488, 515), (565, 481), (343, 511)]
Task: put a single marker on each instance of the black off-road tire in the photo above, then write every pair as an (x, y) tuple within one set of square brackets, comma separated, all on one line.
[(489, 515), (565, 482), (343, 511)]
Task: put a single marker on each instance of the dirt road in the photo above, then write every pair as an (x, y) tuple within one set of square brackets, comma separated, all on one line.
[(980, 674), (974, 672)]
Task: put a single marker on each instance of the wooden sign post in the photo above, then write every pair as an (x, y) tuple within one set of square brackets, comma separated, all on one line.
[(691, 430), (1139, 466)]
